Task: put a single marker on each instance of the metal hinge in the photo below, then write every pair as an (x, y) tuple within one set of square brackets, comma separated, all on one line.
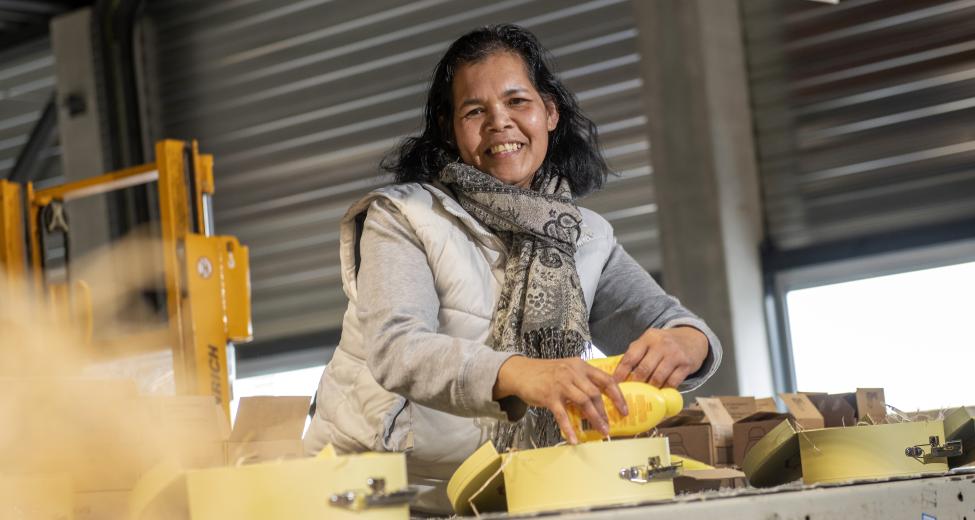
[(935, 450), (652, 472), (358, 500)]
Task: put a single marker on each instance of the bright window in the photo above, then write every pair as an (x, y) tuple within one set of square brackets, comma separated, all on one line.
[(911, 333)]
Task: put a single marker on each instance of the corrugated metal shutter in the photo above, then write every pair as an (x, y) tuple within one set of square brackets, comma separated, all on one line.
[(299, 101), (864, 115), (26, 84)]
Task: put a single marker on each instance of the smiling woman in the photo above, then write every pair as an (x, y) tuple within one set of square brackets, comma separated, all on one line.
[(476, 283)]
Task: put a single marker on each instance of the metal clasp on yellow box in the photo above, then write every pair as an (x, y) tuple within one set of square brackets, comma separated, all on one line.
[(376, 497)]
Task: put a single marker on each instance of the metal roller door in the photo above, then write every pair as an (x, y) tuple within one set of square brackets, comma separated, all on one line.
[(26, 85), (864, 115)]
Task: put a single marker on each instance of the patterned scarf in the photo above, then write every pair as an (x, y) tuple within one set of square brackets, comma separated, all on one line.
[(541, 312)]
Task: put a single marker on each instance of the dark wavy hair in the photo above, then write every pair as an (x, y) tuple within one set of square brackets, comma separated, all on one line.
[(573, 148)]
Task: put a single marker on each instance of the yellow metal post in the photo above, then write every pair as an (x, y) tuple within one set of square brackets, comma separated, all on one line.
[(207, 317), (33, 214), (12, 258), (207, 278), (235, 266)]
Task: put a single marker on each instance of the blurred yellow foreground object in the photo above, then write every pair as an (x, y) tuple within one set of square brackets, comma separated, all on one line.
[(349, 487)]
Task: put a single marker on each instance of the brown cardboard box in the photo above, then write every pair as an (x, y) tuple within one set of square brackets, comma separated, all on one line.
[(749, 430), (866, 404), (690, 435), (267, 428), (803, 410), (766, 404), (871, 406), (190, 429), (837, 409), (738, 423), (739, 407), (744, 409), (194, 431), (721, 428)]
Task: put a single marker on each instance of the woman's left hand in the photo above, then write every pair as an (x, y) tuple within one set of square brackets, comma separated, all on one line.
[(663, 357)]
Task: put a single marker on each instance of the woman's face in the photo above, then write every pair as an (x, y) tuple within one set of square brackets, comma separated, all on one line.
[(501, 123)]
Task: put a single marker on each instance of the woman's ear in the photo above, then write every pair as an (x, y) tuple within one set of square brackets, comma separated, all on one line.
[(552, 111)]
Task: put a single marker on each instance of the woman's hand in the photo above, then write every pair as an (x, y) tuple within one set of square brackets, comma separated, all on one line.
[(663, 357), (556, 383)]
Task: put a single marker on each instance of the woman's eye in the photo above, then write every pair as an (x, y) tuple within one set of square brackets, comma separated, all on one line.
[(474, 112), (519, 101)]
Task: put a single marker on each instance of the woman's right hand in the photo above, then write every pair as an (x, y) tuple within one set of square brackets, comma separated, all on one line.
[(557, 383)]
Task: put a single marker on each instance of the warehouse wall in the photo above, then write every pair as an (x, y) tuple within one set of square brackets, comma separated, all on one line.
[(26, 85), (863, 113)]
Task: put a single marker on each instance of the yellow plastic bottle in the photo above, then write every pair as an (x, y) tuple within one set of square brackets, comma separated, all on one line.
[(647, 404), (606, 364)]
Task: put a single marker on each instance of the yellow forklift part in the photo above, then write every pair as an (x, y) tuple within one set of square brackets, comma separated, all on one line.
[(206, 303), (176, 224), (34, 239), (219, 304), (207, 278), (235, 266), (206, 174), (11, 233), (113, 181), (202, 331), (71, 305)]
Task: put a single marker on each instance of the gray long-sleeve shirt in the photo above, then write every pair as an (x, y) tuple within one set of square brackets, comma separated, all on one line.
[(399, 309)]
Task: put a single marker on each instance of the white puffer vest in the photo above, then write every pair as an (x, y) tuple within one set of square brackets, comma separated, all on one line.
[(354, 412)]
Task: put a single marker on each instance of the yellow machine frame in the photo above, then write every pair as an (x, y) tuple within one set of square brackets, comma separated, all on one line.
[(207, 277)]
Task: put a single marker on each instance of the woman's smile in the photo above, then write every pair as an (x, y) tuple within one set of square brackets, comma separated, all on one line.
[(504, 150)]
